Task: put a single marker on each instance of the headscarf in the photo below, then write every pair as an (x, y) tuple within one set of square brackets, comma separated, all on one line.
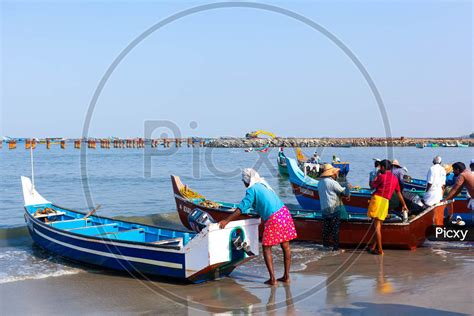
[(251, 177)]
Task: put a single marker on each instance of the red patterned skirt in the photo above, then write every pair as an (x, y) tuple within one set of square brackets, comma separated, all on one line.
[(279, 228)]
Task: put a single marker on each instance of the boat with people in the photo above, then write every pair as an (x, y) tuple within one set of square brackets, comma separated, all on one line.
[(312, 169), (281, 163), (354, 231), (196, 256), (306, 193)]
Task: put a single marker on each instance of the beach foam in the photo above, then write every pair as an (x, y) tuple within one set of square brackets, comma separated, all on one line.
[(27, 263)]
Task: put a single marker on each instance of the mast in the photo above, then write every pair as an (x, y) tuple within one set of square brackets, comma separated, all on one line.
[(32, 171)]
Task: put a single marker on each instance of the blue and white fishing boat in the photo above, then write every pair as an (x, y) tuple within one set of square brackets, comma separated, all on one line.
[(136, 248)]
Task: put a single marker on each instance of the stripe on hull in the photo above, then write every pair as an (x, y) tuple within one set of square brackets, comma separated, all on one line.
[(112, 255)]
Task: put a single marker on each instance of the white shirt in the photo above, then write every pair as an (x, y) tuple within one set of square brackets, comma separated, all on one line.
[(437, 178)]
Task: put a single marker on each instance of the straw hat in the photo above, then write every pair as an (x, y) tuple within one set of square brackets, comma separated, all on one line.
[(329, 170), (396, 163)]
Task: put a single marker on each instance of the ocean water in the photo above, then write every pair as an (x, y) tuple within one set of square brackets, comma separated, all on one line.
[(120, 181)]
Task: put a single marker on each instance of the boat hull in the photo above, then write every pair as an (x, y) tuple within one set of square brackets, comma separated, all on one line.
[(136, 248), (352, 234), (109, 255)]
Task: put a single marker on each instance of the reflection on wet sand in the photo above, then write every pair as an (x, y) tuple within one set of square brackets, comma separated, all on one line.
[(272, 308), (382, 276)]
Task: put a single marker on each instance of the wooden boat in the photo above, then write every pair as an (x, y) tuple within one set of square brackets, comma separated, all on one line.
[(462, 145), (137, 248), (420, 146), (310, 169), (307, 195), (306, 191), (345, 145), (281, 162), (354, 232), (262, 149), (448, 145)]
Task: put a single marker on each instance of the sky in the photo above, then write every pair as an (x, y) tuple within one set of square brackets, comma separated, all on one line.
[(226, 72)]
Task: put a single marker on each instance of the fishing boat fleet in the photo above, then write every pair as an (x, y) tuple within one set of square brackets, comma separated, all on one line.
[(203, 251)]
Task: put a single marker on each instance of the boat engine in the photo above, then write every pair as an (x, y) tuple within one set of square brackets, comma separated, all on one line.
[(198, 220), (414, 202)]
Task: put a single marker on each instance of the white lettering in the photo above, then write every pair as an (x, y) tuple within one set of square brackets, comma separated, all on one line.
[(451, 233)]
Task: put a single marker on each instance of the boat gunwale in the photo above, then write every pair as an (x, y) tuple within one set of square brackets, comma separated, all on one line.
[(412, 220), (124, 243)]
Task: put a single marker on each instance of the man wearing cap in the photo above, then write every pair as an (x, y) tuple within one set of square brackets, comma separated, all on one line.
[(330, 192), (374, 173), (435, 182)]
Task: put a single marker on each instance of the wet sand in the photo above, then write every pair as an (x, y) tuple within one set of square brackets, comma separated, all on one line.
[(424, 282)]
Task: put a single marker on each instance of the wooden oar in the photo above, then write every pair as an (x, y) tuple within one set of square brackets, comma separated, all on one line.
[(92, 211)]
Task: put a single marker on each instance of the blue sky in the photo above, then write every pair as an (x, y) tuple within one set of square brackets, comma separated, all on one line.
[(237, 70)]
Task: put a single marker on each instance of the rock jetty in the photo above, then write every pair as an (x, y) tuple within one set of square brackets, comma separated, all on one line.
[(334, 142)]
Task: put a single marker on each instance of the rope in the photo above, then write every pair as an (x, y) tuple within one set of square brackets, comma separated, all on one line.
[(190, 194)]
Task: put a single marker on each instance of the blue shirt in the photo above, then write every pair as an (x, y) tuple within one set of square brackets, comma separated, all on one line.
[(262, 200), (329, 196)]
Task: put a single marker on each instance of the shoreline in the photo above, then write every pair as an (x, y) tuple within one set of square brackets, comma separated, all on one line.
[(420, 282)]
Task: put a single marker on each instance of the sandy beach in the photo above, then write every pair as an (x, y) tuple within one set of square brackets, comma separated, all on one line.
[(428, 281)]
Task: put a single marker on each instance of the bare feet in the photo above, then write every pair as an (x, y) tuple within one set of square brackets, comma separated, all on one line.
[(377, 252), (271, 282), (285, 279)]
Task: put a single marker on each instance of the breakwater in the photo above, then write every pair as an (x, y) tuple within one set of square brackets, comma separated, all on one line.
[(106, 143), (340, 142)]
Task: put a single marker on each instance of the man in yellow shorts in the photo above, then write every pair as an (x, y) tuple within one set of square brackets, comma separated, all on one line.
[(385, 184)]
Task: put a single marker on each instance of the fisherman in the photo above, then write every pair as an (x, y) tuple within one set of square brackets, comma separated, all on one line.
[(435, 183), (399, 172), (385, 184), (374, 173), (335, 158), (465, 179), (332, 209), (278, 223), (471, 165), (315, 159)]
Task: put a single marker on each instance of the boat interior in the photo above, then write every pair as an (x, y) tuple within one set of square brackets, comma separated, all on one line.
[(107, 228), (305, 214)]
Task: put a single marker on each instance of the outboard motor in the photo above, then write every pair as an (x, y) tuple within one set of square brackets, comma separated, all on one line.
[(198, 220), (414, 202)]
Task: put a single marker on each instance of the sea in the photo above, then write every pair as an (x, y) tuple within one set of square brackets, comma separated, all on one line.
[(135, 183)]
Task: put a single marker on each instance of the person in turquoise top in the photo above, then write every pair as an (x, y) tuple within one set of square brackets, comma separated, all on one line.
[(279, 228), (261, 201)]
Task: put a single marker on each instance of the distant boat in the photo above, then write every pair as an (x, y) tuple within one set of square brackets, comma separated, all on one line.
[(262, 149), (420, 146), (138, 248), (448, 145), (432, 145), (346, 145), (462, 145), (312, 170), (281, 162)]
